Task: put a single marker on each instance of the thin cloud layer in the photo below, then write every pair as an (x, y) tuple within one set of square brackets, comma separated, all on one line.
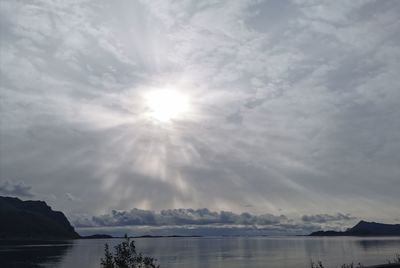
[(322, 218)]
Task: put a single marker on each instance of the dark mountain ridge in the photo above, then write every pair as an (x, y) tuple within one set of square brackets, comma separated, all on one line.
[(32, 220), (364, 228)]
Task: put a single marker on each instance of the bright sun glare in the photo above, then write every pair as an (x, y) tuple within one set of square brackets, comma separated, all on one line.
[(166, 105)]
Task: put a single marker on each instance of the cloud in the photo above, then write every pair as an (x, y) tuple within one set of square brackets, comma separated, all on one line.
[(235, 118), (71, 197), (14, 188), (324, 218), (177, 217), (295, 105)]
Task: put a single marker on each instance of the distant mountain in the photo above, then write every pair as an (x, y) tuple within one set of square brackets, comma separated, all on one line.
[(168, 236), (32, 220), (364, 228), (97, 236)]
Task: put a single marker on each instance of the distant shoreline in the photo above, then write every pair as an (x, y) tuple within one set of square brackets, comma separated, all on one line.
[(21, 240), (389, 265), (97, 236)]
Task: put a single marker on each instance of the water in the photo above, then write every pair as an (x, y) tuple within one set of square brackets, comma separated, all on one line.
[(211, 252)]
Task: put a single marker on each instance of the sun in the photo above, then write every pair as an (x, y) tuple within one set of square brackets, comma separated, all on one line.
[(166, 105)]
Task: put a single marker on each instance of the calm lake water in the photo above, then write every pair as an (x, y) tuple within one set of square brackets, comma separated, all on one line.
[(211, 252)]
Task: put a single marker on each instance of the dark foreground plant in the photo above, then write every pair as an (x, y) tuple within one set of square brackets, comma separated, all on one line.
[(125, 256), (395, 260), (351, 265), (317, 265)]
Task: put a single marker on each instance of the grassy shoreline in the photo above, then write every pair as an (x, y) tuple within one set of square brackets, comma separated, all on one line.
[(393, 263)]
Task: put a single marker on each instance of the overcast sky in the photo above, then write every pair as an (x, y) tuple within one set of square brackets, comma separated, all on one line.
[(293, 110)]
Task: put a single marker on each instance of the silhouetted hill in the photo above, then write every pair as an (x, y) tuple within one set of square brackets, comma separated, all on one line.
[(364, 228), (32, 220), (373, 228)]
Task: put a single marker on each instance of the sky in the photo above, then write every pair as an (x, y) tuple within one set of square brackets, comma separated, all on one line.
[(270, 116)]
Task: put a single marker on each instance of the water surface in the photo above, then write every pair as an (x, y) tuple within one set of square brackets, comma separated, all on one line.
[(211, 252)]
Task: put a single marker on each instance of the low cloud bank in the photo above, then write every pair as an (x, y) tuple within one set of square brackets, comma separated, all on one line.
[(20, 189), (203, 218), (176, 217)]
